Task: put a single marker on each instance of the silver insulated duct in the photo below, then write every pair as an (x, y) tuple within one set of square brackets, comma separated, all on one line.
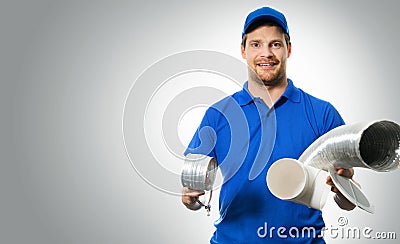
[(373, 145)]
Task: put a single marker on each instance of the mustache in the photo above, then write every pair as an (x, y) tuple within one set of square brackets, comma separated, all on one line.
[(271, 60)]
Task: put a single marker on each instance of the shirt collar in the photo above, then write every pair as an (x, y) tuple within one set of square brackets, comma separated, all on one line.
[(292, 93), (244, 97)]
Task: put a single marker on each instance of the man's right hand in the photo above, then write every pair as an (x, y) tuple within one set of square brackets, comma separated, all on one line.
[(190, 197)]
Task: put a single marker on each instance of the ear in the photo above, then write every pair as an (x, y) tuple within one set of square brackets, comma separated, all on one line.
[(289, 50), (243, 51)]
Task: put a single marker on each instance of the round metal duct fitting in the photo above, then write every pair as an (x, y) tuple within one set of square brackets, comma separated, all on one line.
[(199, 172)]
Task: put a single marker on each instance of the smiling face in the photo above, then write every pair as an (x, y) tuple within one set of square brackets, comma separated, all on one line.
[(266, 52)]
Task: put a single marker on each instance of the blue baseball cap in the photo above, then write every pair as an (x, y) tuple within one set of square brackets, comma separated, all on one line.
[(265, 14)]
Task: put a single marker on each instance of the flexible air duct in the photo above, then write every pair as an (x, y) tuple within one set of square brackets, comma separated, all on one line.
[(373, 145)]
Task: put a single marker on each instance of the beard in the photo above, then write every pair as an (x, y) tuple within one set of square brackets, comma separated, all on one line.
[(268, 78)]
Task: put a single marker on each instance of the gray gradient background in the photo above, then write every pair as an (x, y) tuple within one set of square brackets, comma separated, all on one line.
[(67, 66)]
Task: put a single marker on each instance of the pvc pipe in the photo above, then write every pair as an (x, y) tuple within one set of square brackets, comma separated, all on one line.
[(289, 179)]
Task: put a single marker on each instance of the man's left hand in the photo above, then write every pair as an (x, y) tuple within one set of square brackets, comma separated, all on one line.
[(340, 199), (348, 173)]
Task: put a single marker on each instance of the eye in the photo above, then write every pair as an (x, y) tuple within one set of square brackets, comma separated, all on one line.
[(276, 45), (255, 44)]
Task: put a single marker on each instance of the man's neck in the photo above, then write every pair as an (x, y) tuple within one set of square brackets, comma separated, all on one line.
[(269, 94)]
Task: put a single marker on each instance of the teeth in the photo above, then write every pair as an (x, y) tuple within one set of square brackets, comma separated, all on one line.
[(265, 64)]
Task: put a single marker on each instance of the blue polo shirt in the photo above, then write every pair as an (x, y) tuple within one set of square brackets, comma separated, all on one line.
[(246, 137)]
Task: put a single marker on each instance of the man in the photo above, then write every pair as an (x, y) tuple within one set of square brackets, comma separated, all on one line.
[(268, 120)]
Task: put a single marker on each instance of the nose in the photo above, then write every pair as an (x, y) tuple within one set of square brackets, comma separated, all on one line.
[(266, 52)]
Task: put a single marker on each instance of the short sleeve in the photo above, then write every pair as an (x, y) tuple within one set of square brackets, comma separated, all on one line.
[(204, 138), (332, 118)]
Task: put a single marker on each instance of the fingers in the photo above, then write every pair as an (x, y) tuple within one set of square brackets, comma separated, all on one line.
[(340, 199), (330, 183), (190, 197), (348, 173), (191, 193)]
